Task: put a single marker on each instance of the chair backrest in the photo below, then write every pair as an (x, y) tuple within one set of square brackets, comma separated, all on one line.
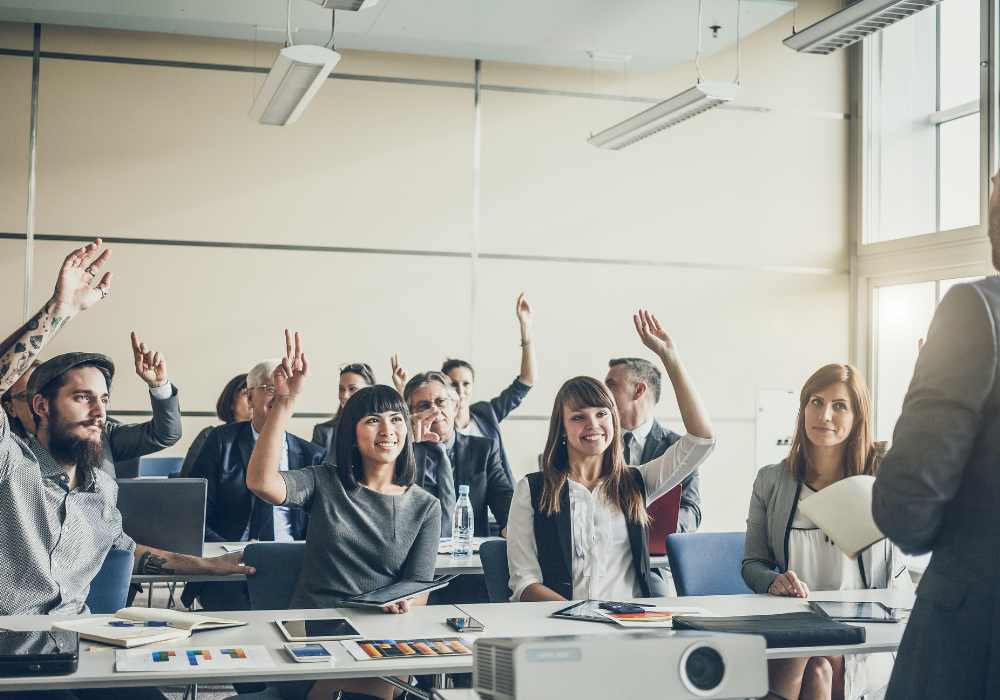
[(493, 554), (109, 589), (278, 566), (707, 563), (160, 466)]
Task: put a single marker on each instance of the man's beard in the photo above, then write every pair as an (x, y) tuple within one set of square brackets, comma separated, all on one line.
[(65, 447)]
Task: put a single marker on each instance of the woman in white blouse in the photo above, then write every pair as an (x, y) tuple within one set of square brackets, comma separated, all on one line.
[(787, 555), (577, 528)]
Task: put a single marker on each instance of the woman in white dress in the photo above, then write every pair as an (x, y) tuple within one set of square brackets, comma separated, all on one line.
[(787, 555), (577, 528)]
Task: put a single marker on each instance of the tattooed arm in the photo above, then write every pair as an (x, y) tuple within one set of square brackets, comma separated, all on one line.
[(73, 294)]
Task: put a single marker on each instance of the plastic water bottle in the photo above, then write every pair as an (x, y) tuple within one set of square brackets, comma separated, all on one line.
[(463, 524)]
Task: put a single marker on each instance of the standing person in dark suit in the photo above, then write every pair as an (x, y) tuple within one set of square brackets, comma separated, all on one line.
[(232, 406), (482, 418), (938, 490), (353, 378), (636, 385), (233, 513)]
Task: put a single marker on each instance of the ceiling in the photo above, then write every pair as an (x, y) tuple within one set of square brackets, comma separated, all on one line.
[(645, 34)]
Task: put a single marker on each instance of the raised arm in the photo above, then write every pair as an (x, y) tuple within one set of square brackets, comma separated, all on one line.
[(263, 476), (398, 373), (654, 337), (523, 309), (73, 294)]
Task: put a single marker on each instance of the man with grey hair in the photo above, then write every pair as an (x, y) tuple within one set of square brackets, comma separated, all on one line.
[(636, 383), (233, 513)]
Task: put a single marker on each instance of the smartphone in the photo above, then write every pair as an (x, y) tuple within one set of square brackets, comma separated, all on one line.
[(465, 624), (309, 652)]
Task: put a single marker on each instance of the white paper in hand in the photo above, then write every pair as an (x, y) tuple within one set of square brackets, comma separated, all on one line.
[(843, 511)]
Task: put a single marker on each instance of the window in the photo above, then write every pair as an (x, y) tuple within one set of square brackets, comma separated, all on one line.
[(922, 100)]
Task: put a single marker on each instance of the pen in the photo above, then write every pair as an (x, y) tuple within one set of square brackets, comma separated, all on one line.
[(129, 623)]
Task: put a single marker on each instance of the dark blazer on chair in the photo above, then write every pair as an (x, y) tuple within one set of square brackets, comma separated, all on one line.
[(657, 442), (938, 490), (488, 414), (124, 443), (477, 464), (231, 506)]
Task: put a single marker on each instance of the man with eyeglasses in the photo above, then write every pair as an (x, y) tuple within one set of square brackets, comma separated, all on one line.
[(233, 513)]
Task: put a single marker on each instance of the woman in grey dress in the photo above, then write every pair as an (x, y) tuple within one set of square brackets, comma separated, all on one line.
[(369, 525)]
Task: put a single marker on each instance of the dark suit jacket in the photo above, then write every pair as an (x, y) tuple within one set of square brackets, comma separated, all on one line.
[(938, 490), (657, 442), (124, 443), (323, 436), (231, 506), (488, 414), (477, 463)]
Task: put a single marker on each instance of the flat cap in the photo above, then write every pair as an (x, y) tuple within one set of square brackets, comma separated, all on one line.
[(60, 364)]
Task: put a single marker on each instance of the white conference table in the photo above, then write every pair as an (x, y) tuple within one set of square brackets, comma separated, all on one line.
[(446, 564), (96, 667)]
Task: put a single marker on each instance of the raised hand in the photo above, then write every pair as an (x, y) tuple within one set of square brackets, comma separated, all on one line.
[(150, 366), (652, 335), (74, 292), (289, 377), (523, 310), (398, 373)]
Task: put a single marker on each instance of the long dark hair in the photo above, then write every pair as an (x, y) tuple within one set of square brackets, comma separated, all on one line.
[(368, 401), (861, 454), (224, 406), (621, 492)]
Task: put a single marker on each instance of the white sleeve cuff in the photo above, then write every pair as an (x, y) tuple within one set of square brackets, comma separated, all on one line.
[(162, 392)]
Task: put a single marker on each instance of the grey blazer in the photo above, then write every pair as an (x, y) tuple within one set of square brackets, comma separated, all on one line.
[(126, 442), (938, 490), (772, 507)]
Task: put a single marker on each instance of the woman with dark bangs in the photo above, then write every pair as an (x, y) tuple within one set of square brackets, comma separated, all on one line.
[(788, 555), (369, 525), (577, 528)]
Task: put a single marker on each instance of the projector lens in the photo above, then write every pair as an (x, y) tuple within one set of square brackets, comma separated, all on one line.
[(705, 668)]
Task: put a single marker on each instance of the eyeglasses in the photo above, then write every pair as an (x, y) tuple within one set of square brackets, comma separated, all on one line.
[(19, 396), (266, 388), (442, 403)]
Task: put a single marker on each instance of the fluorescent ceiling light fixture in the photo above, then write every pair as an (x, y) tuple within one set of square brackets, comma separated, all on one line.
[(854, 23), (349, 5), (293, 81), (672, 111)]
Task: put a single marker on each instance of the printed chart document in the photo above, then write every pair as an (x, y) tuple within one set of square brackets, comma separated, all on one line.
[(375, 649), (651, 617), (196, 659), (843, 511), (132, 627)]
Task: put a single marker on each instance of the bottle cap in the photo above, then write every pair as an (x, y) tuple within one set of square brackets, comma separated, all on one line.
[(463, 490)]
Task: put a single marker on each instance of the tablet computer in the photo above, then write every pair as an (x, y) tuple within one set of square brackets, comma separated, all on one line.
[(395, 592), (848, 611), (299, 630), (586, 610)]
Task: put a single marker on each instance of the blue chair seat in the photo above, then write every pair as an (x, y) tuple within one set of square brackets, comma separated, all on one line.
[(493, 554), (278, 566), (707, 563), (109, 589), (160, 466)]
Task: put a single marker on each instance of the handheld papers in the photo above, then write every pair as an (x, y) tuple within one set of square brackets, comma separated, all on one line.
[(843, 511)]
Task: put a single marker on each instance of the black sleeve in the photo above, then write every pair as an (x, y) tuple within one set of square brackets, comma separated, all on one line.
[(208, 465), (509, 399), (499, 490)]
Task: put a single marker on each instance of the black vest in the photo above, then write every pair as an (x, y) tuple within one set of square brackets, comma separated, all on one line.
[(554, 539)]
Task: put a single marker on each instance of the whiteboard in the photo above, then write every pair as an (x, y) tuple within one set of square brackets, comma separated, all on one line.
[(777, 412)]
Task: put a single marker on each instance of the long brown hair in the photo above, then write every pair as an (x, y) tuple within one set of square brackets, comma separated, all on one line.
[(861, 455), (620, 491)]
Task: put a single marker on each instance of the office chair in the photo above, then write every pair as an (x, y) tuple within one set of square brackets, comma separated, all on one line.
[(493, 554), (707, 563), (160, 466), (109, 589)]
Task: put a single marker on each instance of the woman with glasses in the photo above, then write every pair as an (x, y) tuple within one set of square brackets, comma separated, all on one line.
[(231, 407), (369, 525), (353, 378)]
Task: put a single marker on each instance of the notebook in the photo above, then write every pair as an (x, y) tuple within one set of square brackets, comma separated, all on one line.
[(126, 629), (843, 511)]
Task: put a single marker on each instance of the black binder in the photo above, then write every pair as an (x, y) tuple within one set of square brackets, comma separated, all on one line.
[(800, 629)]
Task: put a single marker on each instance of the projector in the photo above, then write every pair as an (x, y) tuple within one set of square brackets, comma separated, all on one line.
[(676, 665)]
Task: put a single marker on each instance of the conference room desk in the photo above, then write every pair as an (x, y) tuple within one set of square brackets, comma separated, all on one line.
[(446, 564), (501, 620)]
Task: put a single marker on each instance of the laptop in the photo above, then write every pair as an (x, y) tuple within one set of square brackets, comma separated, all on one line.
[(164, 513), (663, 514)]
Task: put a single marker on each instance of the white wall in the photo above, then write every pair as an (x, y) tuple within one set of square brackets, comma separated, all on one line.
[(731, 207)]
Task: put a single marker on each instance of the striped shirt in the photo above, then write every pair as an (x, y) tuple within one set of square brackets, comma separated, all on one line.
[(53, 540)]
